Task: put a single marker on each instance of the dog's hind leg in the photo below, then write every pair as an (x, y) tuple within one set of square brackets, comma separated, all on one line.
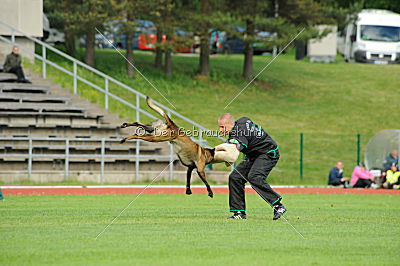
[(188, 177), (202, 176)]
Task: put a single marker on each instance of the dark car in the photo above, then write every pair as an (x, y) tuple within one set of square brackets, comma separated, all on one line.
[(231, 44)]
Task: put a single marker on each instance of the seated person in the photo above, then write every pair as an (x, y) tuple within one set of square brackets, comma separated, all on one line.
[(392, 158), (361, 177), (392, 177), (336, 176), (13, 65)]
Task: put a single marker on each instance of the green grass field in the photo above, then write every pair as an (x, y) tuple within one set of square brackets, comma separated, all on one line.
[(329, 103), (191, 230)]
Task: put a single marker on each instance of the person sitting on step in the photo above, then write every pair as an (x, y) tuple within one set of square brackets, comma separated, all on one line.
[(13, 65)]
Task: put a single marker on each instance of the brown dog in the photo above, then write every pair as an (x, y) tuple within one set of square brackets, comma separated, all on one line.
[(189, 153)]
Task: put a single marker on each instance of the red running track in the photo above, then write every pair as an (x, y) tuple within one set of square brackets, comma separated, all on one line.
[(98, 190)]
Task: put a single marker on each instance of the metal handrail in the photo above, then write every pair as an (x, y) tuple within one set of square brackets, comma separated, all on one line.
[(66, 155), (105, 76)]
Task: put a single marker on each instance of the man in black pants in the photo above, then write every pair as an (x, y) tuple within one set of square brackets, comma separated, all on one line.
[(262, 155), (13, 65)]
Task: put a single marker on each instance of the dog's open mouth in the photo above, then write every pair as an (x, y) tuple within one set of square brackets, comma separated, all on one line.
[(142, 131)]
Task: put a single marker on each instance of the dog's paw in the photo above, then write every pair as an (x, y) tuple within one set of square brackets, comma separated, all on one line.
[(188, 191), (210, 194), (124, 125)]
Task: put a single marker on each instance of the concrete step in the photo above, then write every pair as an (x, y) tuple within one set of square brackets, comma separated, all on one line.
[(92, 142), (33, 97), (51, 126), (127, 158), (32, 113), (74, 148), (7, 77), (51, 120), (23, 88), (62, 132), (43, 107)]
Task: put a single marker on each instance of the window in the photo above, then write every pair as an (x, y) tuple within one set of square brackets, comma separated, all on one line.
[(380, 33)]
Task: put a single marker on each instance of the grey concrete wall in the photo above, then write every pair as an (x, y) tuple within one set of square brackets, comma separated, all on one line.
[(325, 46), (25, 15)]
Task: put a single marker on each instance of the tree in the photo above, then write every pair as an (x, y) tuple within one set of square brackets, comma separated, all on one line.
[(167, 15), (260, 16), (156, 12), (92, 14), (61, 15), (81, 17), (391, 5), (160, 12), (130, 11), (202, 17), (169, 29), (129, 31), (248, 11), (204, 60), (159, 50)]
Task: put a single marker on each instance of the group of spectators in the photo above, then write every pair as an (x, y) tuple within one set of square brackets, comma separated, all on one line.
[(362, 178)]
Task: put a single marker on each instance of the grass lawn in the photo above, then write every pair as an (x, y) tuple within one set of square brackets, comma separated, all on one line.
[(329, 103), (191, 230)]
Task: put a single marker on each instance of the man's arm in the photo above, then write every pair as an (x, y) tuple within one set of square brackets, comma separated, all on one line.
[(334, 175), (238, 137), (363, 174), (6, 65)]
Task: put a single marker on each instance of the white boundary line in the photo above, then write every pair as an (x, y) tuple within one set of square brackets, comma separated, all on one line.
[(138, 186)]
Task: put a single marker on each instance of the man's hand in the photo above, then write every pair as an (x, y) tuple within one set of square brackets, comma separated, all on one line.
[(344, 179)]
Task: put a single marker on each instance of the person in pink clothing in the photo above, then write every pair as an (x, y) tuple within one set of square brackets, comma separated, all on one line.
[(361, 178)]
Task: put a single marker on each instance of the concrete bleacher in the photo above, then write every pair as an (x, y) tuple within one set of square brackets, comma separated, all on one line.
[(47, 111)]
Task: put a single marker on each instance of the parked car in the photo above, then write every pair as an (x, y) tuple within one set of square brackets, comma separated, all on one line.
[(223, 42), (146, 39)]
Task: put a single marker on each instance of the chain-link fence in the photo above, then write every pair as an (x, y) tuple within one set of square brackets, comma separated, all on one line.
[(306, 158)]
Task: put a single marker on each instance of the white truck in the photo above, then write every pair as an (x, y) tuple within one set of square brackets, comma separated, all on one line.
[(51, 35), (374, 37)]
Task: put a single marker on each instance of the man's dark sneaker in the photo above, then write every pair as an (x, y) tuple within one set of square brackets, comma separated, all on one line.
[(279, 210), (238, 215)]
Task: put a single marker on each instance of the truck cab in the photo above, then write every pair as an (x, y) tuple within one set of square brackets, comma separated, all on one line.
[(374, 37)]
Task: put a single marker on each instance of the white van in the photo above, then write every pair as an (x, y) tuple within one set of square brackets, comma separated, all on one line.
[(374, 37), (51, 35)]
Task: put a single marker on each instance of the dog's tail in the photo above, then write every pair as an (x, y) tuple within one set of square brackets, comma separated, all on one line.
[(159, 110)]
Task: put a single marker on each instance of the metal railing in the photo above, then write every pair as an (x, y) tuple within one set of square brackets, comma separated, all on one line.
[(108, 80), (65, 144)]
